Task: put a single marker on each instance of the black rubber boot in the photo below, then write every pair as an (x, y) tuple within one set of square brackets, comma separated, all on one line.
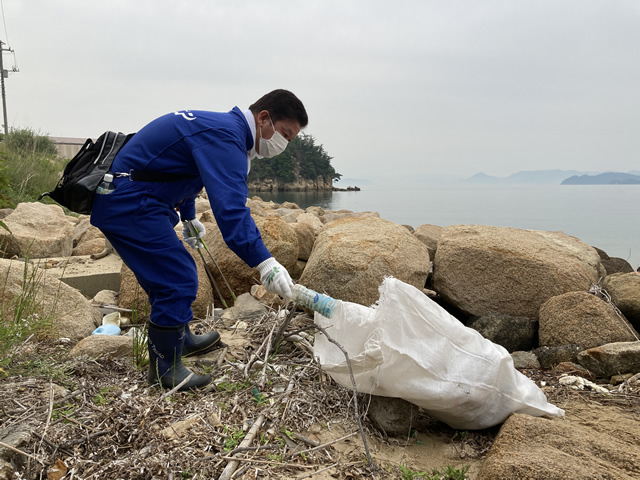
[(194, 344), (166, 346)]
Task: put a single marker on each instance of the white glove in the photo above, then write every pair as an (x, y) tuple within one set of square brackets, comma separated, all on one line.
[(192, 232), (275, 277)]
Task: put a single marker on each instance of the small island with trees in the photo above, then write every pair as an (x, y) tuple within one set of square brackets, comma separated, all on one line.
[(302, 167)]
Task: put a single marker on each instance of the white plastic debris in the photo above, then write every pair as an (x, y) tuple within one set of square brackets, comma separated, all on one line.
[(579, 383)]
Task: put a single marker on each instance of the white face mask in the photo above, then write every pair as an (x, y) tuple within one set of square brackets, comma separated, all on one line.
[(274, 146)]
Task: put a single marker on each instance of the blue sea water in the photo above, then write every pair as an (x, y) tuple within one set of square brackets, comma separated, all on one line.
[(605, 216)]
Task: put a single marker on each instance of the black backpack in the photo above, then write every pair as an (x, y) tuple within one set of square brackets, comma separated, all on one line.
[(85, 171)]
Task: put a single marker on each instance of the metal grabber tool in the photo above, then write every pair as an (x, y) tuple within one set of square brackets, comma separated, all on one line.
[(208, 270)]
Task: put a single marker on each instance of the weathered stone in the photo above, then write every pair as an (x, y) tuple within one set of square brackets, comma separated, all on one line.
[(549, 357), (624, 289), (513, 333), (89, 247), (523, 360), (37, 231), (351, 257), (571, 368), (616, 265), (581, 318), (330, 216), (306, 238), (429, 235), (69, 312), (105, 297), (612, 359), (82, 225), (246, 309), (536, 448), (317, 211), (280, 239), (394, 416), (312, 220), (103, 346), (484, 270)]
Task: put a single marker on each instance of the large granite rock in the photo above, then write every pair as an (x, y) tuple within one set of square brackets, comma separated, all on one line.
[(352, 255), (429, 235), (103, 346), (37, 231), (536, 448), (513, 333), (624, 289), (482, 269), (583, 319), (612, 359), (69, 313), (306, 238)]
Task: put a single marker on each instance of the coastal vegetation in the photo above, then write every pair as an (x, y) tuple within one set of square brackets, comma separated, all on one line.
[(29, 165), (302, 158)]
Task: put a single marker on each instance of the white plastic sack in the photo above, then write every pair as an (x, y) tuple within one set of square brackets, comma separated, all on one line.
[(409, 347)]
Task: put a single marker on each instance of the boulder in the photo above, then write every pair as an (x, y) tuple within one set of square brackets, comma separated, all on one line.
[(613, 265), (616, 265), (103, 346), (37, 231), (280, 239), (105, 297), (483, 270), (351, 257), (537, 448), (583, 319), (624, 289), (612, 359), (312, 220), (306, 238), (330, 216), (429, 235), (68, 311), (82, 225), (525, 360), (513, 333), (394, 416), (549, 357), (90, 247)]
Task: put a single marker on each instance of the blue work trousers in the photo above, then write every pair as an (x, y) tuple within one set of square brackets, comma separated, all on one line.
[(141, 229)]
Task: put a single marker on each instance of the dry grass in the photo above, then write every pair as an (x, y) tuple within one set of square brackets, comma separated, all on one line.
[(107, 423)]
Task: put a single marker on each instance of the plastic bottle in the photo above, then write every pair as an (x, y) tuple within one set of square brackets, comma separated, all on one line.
[(318, 302), (106, 186)]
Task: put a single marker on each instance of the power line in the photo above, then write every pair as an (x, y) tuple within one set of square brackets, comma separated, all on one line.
[(4, 22)]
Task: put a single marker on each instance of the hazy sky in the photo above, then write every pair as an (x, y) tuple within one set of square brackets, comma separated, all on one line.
[(402, 89)]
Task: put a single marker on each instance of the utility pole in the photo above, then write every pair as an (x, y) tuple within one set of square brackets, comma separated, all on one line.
[(4, 73)]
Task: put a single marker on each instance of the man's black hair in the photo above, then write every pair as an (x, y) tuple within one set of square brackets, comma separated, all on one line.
[(282, 105)]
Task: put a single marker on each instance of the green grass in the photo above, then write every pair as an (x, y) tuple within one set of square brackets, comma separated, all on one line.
[(25, 315), (445, 473), (29, 165)]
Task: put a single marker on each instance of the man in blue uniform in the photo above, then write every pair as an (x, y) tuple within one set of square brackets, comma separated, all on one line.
[(199, 149)]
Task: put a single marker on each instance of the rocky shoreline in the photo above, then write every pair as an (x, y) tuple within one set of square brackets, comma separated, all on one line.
[(549, 299)]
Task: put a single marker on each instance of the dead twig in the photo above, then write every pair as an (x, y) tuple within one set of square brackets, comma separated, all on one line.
[(234, 462)]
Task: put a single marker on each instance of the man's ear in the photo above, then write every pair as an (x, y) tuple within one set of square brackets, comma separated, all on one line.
[(263, 117)]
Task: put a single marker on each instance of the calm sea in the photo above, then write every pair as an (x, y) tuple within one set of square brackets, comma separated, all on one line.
[(605, 216)]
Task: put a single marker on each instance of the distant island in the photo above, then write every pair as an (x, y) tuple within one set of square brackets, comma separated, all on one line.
[(556, 177), (607, 178)]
